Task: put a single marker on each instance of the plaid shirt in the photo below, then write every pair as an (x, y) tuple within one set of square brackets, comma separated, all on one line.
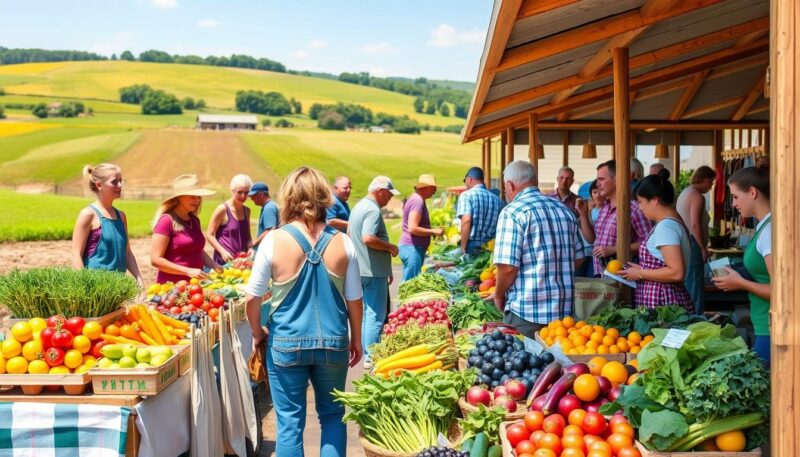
[(484, 208), (570, 201), (605, 229), (540, 236)]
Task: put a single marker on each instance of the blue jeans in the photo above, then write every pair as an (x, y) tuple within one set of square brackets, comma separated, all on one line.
[(289, 373), (376, 307), (412, 258), (475, 247), (761, 346)]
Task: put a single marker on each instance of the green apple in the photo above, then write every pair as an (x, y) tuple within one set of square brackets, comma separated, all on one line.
[(143, 355), (105, 362), (129, 350), (161, 350), (158, 360), (142, 365), (127, 362), (113, 366)]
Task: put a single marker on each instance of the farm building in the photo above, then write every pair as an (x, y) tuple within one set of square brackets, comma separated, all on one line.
[(226, 122)]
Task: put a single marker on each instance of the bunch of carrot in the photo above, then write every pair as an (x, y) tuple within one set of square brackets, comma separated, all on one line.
[(421, 358), (143, 326)]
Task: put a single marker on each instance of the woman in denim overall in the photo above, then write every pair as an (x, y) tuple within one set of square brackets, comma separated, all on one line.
[(316, 292)]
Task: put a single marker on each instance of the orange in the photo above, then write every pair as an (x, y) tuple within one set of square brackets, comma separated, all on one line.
[(618, 441), (634, 349), (586, 387), (567, 344), (580, 324), (596, 364), (602, 349), (614, 349), (634, 363), (634, 338), (587, 331), (561, 331), (555, 324), (614, 333), (550, 341), (731, 442), (608, 340), (615, 372), (632, 378), (597, 337), (622, 343), (592, 344), (589, 351), (614, 266), (576, 416), (544, 333), (568, 322), (599, 329), (579, 340), (649, 338)]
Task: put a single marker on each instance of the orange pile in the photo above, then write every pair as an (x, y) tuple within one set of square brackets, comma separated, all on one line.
[(580, 338)]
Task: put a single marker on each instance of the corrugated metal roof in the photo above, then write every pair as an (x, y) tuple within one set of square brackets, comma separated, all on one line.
[(227, 119)]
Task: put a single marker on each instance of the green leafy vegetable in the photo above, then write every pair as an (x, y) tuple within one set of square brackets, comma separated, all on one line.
[(472, 311), (643, 319), (660, 430), (486, 420), (426, 282)]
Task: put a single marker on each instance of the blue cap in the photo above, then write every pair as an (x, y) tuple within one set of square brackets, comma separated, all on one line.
[(258, 187), (474, 172), (583, 191)]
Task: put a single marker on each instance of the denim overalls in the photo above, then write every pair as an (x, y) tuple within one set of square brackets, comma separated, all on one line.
[(308, 339)]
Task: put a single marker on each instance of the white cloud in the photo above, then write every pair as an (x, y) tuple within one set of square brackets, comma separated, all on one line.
[(300, 54), (317, 44), (381, 48), (445, 36), (208, 23), (122, 40), (164, 4)]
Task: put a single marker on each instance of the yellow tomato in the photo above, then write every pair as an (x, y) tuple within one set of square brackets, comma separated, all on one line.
[(2, 365), (61, 369), (22, 331), (73, 358), (33, 350), (17, 365), (10, 348), (82, 343), (92, 330), (38, 367), (89, 360), (37, 324)]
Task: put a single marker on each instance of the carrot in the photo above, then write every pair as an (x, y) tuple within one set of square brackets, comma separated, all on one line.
[(119, 340), (173, 322), (430, 367), (150, 326), (419, 349), (133, 312), (148, 340), (160, 327), (128, 332), (410, 362)]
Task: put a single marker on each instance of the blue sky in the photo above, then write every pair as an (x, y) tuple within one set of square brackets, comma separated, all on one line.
[(434, 38)]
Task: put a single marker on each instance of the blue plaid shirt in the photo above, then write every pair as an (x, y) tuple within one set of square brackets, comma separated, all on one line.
[(484, 208), (540, 236)]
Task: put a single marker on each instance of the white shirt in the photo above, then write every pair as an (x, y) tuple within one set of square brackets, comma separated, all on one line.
[(669, 232), (764, 242)]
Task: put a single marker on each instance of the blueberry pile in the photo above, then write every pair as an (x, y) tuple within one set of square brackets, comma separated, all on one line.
[(442, 452), (195, 318), (500, 357)]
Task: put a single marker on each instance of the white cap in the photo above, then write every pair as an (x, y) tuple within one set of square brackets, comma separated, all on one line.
[(383, 182)]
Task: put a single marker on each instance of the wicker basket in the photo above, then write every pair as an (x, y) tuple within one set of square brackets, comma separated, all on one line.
[(466, 408), (372, 450), (462, 364)]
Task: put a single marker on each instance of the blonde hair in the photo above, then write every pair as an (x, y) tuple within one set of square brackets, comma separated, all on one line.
[(167, 207), (304, 196), (241, 180), (99, 174)]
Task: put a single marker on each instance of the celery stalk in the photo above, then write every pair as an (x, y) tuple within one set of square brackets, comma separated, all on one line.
[(699, 433)]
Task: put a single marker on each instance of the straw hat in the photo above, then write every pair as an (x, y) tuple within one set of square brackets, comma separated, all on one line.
[(426, 181), (188, 185)]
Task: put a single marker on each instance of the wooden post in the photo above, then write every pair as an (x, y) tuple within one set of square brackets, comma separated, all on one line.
[(676, 159), (533, 140), (483, 154), (565, 148), (510, 146), (502, 156), (785, 178), (622, 153), (487, 172)]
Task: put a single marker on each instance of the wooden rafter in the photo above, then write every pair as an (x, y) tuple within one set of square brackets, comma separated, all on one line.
[(749, 100), (603, 56), (652, 78), (712, 107), (534, 7), (758, 109), (593, 32), (571, 83), (688, 95), (641, 95)]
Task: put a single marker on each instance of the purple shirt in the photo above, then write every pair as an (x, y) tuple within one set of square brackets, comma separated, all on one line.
[(185, 247), (416, 203)]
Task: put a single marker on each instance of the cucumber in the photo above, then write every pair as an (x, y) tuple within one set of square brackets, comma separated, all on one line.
[(480, 446), (495, 451), (467, 445)]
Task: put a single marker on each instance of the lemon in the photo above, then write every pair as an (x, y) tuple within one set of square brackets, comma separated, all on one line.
[(61, 369), (37, 324), (10, 348), (22, 331)]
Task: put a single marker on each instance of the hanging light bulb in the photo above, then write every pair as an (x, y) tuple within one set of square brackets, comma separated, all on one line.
[(589, 149), (662, 150)]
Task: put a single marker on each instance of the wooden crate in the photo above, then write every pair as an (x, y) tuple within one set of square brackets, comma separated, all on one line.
[(136, 381), (646, 453), (621, 357), (184, 358), (33, 384), (505, 445)]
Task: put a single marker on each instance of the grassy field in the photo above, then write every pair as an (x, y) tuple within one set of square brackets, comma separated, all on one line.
[(216, 85)]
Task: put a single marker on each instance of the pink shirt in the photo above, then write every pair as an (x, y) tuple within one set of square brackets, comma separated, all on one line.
[(185, 247)]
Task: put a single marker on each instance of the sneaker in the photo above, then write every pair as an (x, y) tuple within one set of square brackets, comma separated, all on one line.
[(368, 364)]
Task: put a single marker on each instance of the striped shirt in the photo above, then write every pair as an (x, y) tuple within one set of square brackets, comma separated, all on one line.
[(540, 236), (605, 230), (484, 208)]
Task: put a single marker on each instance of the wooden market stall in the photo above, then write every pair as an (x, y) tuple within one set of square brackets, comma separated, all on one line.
[(673, 67)]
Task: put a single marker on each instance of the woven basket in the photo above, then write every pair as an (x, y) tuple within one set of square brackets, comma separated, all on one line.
[(372, 450), (466, 408), (462, 364)]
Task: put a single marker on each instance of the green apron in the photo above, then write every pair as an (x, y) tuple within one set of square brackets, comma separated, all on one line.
[(755, 265)]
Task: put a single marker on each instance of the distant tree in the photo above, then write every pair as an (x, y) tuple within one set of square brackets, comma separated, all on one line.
[(461, 110), (283, 123), (444, 110), (160, 102), (190, 60), (11, 56), (66, 110), (127, 55), (331, 120), (2, 91), (314, 110), (200, 104), (406, 125), (256, 101), (297, 107), (134, 94), (40, 111), (188, 103), (2, 113), (454, 128), (430, 108), (113, 56), (419, 104), (437, 128), (266, 122), (78, 107), (154, 55)]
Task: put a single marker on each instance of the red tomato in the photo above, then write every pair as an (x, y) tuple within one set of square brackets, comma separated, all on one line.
[(47, 337), (95, 351), (175, 310), (594, 423), (74, 325), (205, 307), (551, 441), (54, 357), (616, 419), (56, 320), (534, 420), (196, 299), (217, 300), (62, 339), (517, 433), (554, 423), (629, 451), (195, 289), (525, 447), (536, 436)]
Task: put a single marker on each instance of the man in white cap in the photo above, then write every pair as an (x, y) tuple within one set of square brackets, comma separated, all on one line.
[(374, 252), (417, 231)]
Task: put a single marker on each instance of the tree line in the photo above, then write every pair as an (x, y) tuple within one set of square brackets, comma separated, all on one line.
[(13, 56), (270, 103), (154, 101), (340, 116)]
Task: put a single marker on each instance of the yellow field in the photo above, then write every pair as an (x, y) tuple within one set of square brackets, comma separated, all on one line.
[(11, 128), (31, 68)]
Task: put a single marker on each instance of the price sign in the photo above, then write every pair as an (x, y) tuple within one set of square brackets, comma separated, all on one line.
[(675, 338)]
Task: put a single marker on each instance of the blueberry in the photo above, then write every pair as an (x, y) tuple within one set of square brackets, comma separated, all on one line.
[(508, 366), (482, 349), (498, 361), (548, 357), (510, 339), (474, 352), (500, 346), (536, 362), (487, 368), (497, 374), (497, 335)]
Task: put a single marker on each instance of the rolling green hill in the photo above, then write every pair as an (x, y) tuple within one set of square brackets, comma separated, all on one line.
[(216, 85)]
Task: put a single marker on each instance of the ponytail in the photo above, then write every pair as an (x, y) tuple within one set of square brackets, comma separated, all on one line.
[(757, 177)]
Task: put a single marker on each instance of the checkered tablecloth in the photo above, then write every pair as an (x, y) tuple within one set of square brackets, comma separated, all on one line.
[(50, 430)]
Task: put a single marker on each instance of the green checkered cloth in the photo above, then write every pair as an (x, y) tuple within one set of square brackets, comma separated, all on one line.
[(50, 430)]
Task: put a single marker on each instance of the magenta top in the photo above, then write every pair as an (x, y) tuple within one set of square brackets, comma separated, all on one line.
[(415, 203), (233, 235), (92, 241), (185, 247)]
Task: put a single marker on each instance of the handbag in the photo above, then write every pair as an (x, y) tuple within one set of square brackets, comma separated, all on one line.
[(256, 364)]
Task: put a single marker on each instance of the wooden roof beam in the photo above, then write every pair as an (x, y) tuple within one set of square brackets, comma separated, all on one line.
[(749, 100), (572, 83), (758, 109), (712, 107), (593, 32), (534, 7), (688, 95), (652, 78), (641, 95)]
